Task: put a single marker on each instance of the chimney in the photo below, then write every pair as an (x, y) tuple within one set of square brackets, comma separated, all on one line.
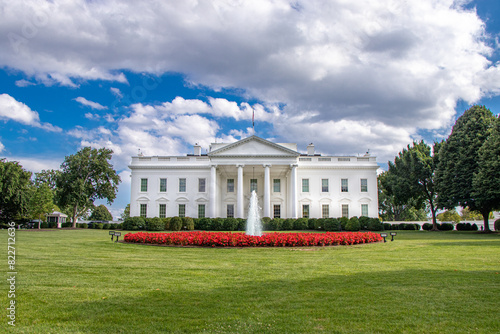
[(310, 149), (197, 149)]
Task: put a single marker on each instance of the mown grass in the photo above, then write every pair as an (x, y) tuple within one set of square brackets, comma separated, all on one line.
[(78, 281)]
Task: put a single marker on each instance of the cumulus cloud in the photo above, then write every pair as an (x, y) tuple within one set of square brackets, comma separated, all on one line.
[(11, 109), (91, 104), (361, 65)]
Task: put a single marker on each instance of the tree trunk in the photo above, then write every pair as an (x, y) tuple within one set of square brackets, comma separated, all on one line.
[(74, 216), (434, 219), (486, 223)]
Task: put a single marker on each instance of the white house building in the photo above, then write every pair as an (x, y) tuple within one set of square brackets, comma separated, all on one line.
[(288, 184)]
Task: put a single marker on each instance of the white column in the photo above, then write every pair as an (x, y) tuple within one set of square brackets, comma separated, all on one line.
[(294, 190), (267, 190), (239, 196), (213, 191)]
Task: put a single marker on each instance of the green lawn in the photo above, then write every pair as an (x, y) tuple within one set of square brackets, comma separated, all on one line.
[(78, 281)]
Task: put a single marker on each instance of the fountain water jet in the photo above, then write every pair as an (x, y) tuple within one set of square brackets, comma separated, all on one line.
[(254, 224)]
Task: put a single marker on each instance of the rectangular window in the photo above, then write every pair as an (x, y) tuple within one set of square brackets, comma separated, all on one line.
[(305, 185), (143, 210), (277, 211), (277, 185), (182, 210), (364, 210), (144, 185), (163, 185), (162, 211), (201, 185), (324, 185), (230, 211), (325, 211), (201, 210), (345, 210), (364, 185), (230, 185), (253, 185), (305, 211), (344, 185), (182, 185)]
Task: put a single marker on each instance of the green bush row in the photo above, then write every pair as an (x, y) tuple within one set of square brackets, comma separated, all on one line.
[(403, 226), (497, 225), (466, 227), (238, 224)]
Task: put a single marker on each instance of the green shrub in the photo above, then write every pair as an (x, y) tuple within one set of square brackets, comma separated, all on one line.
[(107, 226), (230, 224), (166, 223), (387, 226), (363, 222), (155, 224), (497, 225), (275, 224), (474, 227), (319, 224), (176, 223), (445, 227), (331, 224), (427, 226), (44, 225), (134, 224), (265, 220), (353, 224), (242, 224), (203, 224), (287, 224), (343, 222), (117, 226), (99, 226), (374, 224), (217, 224), (311, 223), (417, 227), (187, 223), (301, 224)]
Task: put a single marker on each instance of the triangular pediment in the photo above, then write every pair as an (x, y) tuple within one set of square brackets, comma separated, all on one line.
[(254, 147)]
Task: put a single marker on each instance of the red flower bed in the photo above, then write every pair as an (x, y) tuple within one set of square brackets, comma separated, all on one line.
[(227, 239)]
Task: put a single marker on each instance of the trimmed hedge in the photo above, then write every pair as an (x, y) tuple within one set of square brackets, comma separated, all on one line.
[(446, 227), (187, 223), (176, 223), (155, 224), (134, 224)]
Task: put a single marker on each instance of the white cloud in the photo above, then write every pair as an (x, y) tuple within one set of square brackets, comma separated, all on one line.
[(116, 92), (356, 66), (24, 83), (2, 147), (36, 165), (91, 104), (11, 109)]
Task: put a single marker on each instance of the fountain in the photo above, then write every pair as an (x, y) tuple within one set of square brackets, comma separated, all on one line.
[(254, 224)]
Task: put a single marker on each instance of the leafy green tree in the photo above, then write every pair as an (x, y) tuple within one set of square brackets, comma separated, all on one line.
[(486, 181), (467, 214), (392, 210), (15, 190), (101, 213), (126, 212), (48, 177), (411, 177), (449, 216), (459, 162), (41, 202), (85, 177)]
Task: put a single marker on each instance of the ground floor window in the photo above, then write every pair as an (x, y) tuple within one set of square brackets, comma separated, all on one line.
[(162, 211), (345, 210), (182, 210), (230, 211), (143, 210), (201, 210), (364, 210), (277, 211), (325, 211), (305, 211)]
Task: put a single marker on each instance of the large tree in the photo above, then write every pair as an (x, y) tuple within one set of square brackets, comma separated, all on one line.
[(486, 181), (41, 202), (460, 161), (15, 190), (411, 176), (390, 209), (101, 212), (85, 177)]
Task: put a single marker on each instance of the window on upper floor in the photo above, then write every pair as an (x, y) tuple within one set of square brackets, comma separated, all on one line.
[(144, 185), (253, 185), (344, 185), (163, 185), (364, 185), (201, 185), (305, 185), (182, 185), (277, 185), (324, 185), (230, 185)]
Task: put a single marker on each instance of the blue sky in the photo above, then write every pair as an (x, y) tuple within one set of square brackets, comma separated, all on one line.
[(347, 76)]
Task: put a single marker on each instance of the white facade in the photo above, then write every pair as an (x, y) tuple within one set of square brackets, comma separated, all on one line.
[(288, 184)]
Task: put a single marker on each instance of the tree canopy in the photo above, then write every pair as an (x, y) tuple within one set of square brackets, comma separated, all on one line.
[(14, 189), (101, 212), (411, 177), (460, 161), (85, 177)]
